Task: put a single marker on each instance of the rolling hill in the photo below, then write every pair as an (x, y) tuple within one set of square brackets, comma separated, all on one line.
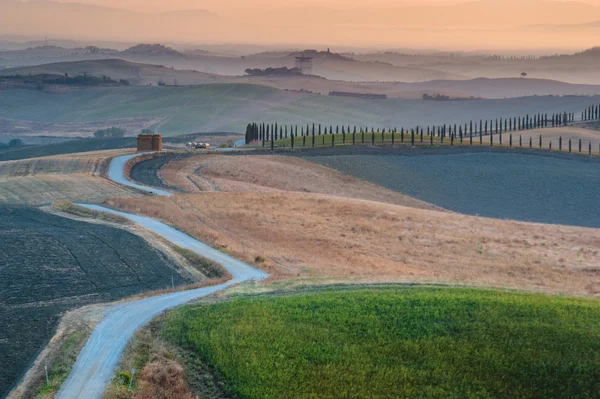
[(230, 107), (144, 74)]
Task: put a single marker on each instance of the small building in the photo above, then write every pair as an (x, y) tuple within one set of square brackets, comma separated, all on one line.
[(149, 142)]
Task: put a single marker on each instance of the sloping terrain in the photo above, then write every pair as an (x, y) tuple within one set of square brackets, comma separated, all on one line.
[(321, 238), (50, 264), (78, 177), (375, 342), (543, 187), (230, 107), (264, 174), (394, 86)]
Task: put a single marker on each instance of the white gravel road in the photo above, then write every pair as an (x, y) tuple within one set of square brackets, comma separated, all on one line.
[(96, 364)]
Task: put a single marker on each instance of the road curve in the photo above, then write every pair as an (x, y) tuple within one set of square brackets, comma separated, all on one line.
[(96, 364), (116, 173)]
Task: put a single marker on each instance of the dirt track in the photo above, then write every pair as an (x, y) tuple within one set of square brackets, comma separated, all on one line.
[(97, 361)]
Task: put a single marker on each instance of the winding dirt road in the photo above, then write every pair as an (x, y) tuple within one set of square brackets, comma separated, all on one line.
[(99, 357)]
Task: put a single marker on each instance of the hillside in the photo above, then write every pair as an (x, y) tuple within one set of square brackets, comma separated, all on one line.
[(230, 107), (144, 74)]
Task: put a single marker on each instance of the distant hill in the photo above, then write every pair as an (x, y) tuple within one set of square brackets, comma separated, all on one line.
[(230, 107), (134, 73), (144, 74), (152, 50)]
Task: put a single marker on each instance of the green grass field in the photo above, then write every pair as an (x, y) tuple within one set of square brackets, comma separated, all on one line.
[(397, 343), (230, 107)]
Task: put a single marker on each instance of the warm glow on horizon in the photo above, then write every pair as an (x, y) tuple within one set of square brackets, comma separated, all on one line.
[(460, 24)]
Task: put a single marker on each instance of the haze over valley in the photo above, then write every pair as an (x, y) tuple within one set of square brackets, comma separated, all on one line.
[(307, 198)]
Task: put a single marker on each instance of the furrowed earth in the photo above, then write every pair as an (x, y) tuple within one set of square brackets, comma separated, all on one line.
[(540, 187), (51, 264)]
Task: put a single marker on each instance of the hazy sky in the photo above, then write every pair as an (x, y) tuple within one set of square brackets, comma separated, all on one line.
[(503, 24), (233, 5)]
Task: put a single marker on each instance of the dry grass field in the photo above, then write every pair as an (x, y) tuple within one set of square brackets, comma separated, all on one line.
[(327, 238), (76, 177), (266, 174)]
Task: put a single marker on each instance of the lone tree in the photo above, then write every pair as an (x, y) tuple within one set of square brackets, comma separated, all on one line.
[(523, 74)]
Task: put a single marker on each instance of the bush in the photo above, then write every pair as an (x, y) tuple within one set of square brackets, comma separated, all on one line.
[(15, 143)]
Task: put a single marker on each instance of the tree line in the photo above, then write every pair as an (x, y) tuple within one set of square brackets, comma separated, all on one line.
[(270, 132)]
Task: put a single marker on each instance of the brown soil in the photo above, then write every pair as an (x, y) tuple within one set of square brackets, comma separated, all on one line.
[(265, 174), (321, 237)]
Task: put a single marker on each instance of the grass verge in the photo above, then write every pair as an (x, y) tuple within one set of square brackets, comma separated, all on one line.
[(416, 342), (207, 267), (70, 208)]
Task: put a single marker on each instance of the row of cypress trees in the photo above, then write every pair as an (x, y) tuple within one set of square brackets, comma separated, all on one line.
[(591, 113), (273, 132)]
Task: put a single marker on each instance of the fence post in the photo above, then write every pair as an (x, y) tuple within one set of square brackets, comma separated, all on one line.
[(560, 143), (421, 135), (570, 146), (540, 141), (412, 137), (521, 141), (550, 145), (292, 140), (333, 140), (272, 141), (510, 141), (471, 135), (491, 139), (579, 145), (500, 135), (530, 142), (373, 137), (590, 148), (354, 137), (362, 132), (431, 140)]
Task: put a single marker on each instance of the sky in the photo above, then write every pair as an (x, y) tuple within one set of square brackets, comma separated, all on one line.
[(228, 6), (384, 24)]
